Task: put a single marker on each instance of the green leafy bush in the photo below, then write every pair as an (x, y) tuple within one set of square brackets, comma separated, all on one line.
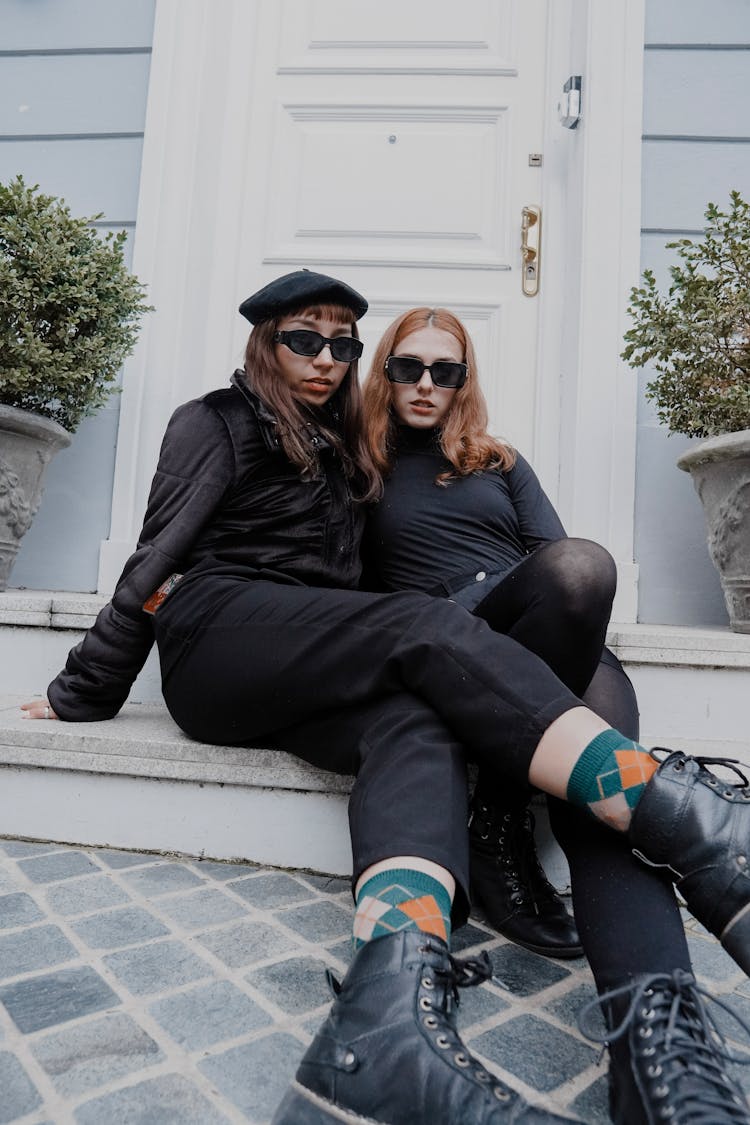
[(697, 337), (69, 308)]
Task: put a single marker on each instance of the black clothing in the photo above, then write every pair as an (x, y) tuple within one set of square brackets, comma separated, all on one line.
[(398, 689), (555, 601), (224, 499), (421, 534)]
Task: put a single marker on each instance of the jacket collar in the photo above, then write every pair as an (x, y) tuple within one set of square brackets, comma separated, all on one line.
[(267, 421)]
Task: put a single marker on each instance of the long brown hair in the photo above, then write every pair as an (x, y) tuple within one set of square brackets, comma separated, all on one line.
[(340, 421), (463, 436)]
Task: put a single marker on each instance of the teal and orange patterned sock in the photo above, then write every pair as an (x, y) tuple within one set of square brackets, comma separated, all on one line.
[(399, 899), (609, 778)]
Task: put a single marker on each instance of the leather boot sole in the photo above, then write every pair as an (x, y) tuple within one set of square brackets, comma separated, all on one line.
[(301, 1106)]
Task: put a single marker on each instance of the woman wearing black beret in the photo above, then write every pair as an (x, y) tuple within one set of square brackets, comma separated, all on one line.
[(247, 566)]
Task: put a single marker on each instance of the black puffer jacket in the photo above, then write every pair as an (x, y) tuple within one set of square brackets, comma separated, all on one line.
[(224, 496)]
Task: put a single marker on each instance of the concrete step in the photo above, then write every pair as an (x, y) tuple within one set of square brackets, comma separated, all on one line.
[(138, 782)]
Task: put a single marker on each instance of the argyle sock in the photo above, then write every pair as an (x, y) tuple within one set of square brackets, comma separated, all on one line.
[(400, 899), (609, 778)]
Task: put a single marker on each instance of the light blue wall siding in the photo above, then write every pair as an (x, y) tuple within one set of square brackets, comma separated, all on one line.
[(73, 86), (696, 148)]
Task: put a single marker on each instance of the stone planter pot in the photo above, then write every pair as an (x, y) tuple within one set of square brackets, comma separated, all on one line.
[(720, 468), (28, 443)]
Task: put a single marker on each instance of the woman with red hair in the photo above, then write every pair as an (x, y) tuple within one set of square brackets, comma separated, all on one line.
[(464, 516)]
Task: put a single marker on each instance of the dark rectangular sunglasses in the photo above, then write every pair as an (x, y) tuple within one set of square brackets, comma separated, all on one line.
[(407, 369), (303, 341)]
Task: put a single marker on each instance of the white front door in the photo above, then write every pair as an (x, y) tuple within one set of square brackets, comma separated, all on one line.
[(395, 145)]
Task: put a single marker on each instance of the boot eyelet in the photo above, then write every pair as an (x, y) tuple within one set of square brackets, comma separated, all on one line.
[(648, 1013), (501, 1094), (425, 1003), (430, 1022), (645, 1032), (668, 1111), (729, 794), (443, 1042), (647, 1052), (461, 1059), (712, 781), (428, 982), (653, 1071), (742, 861), (661, 1091), (349, 1058), (483, 1076)]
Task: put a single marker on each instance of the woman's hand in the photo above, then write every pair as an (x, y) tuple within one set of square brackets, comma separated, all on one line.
[(37, 709)]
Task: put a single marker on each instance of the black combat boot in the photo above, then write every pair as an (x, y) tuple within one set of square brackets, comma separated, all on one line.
[(698, 825), (667, 1059), (507, 879), (389, 1051)]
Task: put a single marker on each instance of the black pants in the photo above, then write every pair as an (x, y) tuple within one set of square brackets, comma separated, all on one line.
[(398, 689), (557, 603)]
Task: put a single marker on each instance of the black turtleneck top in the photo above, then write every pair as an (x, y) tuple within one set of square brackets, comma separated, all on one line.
[(422, 533)]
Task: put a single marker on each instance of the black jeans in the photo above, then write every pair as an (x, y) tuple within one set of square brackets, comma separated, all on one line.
[(397, 689), (557, 604)]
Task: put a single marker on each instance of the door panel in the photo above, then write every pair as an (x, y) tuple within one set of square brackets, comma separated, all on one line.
[(390, 145)]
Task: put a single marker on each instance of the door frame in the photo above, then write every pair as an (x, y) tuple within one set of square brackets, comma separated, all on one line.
[(186, 250)]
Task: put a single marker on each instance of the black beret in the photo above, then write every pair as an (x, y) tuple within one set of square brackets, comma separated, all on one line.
[(298, 290)]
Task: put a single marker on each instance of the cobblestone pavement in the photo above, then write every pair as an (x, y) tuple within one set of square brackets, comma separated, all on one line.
[(139, 990)]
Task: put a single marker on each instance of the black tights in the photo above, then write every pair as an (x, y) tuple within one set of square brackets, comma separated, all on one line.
[(557, 604)]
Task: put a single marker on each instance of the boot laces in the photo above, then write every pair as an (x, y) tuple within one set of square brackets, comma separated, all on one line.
[(501, 836), (455, 974), (681, 1051), (705, 762)]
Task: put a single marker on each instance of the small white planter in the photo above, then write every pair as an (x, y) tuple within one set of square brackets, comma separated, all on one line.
[(720, 468), (28, 443)]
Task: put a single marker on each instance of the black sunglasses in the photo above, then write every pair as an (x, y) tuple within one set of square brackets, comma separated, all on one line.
[(303, 341), (407, 369)]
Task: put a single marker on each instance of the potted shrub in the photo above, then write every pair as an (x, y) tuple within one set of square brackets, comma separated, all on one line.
[(697, 339), (69, 315)]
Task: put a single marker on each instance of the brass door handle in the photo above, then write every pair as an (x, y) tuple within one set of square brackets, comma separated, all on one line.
[(531, 242)]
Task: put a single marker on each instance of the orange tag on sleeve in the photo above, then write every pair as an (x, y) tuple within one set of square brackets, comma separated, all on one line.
[(161, 594)]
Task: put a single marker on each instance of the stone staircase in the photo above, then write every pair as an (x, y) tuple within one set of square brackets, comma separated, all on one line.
[(138, 782)]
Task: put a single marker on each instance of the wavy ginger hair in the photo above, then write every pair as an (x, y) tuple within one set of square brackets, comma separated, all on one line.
[(464, 440)]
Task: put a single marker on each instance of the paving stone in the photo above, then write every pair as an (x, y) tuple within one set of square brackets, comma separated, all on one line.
[(478, 1004), (318, 921), (94, 1053), (469, 936), (82, 896), (20, 849), (19, 1095), (524, 973), (167, 1100), (10, 882), (222, 872), (328, 884), (18, 910), (202, 908), (161, 879), (568, 1007), (592, 1105), (296, 985), (34, 948), (45, 1001), (728, 1026), (710, 963), (156, 967), (118, 860), (255, 1075), (535, 1051), (209, 1014), (269, 891), (119, 927), (59, 865), (245, 943)]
